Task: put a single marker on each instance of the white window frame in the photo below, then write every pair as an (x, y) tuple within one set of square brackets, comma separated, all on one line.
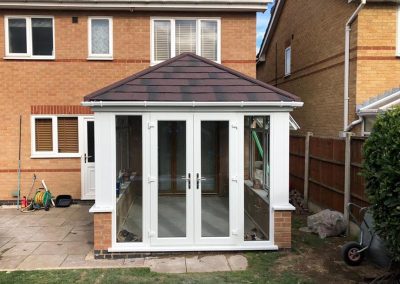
[(28, 54), (54, 153), (398, 32), (198, 36), (95, 56), (288, 61)]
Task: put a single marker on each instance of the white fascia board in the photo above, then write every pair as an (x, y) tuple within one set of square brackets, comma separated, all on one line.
[(199, 5), (190, 104), (380, 103)]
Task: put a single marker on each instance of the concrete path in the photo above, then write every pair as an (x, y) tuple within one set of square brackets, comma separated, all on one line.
[(62, 238)]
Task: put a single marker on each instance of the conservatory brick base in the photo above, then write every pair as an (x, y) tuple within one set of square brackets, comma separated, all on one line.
[(102, 231), (283, 229)]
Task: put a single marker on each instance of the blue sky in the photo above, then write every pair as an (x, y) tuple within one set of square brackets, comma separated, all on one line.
[(262, 23)]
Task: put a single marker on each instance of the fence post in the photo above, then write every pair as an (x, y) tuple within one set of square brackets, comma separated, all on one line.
[(306, 166), (347, 180)]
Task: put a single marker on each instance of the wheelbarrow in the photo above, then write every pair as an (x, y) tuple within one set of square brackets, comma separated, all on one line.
[(353, 252)]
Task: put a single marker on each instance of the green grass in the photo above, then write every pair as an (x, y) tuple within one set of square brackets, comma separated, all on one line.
[(260, 270)]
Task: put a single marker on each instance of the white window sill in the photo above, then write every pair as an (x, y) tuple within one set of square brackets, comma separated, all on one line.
[(94, 58), (30, 57), (55, 155)]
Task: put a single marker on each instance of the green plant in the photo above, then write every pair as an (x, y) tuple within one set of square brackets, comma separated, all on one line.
[(381, 169)]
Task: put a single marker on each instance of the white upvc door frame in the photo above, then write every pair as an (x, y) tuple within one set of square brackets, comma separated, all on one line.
[(233, 170), (86, 166), (153, 179)]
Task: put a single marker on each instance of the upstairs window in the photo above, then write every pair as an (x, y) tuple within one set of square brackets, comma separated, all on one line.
[(288, 61), (29, 37), (171, 37), (100, 38)]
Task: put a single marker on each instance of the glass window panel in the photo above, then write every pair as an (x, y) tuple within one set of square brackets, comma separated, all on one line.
[(162, 40), (185, 36), (256, 176), (129, 186), (369, 122), (209, 40), (215, 179), (17, 35), (171, 182), (42, 36), (100, 34), (90, 142)]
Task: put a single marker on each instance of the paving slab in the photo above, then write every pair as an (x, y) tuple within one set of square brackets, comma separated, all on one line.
[(166, 265), (209, 263), (69, 248), (4, 240), (134, 262), (79, 236), (11, 262), (79, 261), (49, 234), (15, 249), (21, 234), (42, 261), (237, 262)]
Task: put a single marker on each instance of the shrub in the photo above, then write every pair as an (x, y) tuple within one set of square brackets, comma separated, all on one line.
[(381, 169)]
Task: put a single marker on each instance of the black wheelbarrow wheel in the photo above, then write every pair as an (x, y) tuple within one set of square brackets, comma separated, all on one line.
[(351, 253)]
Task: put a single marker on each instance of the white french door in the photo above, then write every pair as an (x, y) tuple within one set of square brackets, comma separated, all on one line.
[(193, 179)]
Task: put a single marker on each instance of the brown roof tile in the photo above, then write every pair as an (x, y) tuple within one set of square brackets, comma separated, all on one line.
[(189, 77)]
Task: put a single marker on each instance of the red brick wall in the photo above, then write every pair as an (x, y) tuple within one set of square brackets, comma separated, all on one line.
[(28, 85), (283, 229), (102, 231)]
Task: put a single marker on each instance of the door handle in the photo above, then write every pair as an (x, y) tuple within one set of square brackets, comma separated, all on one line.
[(187, 179), (198, 180)]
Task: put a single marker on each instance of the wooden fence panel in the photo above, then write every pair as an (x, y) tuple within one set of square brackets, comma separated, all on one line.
[(297, 163), (327, 170)]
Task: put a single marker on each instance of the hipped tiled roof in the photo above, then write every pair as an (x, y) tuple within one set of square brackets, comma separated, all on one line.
[(189, 77)]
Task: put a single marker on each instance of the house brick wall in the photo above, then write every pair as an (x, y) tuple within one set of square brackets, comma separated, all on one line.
[(102, 232), (315, 30), (32, 86), (283, 229), (378, 69)]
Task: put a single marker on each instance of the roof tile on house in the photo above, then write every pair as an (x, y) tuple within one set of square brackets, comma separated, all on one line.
[(189, 77)]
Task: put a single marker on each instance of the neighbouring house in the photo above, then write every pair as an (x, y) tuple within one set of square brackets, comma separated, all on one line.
[(340, 57), (151, 109)]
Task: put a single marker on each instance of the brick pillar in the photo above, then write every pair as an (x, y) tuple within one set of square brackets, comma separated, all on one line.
[(283, 229), (102, 231)]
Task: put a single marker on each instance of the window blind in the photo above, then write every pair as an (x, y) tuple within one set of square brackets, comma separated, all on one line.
[(185, 36), (209, 40), (44, 134), (68, 135), (162, 40)]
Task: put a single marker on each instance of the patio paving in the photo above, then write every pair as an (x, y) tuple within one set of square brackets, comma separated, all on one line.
[(62, 238)]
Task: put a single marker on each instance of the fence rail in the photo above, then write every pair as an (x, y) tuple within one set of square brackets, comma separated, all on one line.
[(318, 170)]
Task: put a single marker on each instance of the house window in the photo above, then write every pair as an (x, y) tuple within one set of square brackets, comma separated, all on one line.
[(100, 38), (54, 136), (171, 37), (368, 123), (288, 61), (29, 37)]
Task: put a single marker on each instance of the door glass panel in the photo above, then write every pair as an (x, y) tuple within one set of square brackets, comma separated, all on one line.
[(171, 182), (90, 141), (215, 179)]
